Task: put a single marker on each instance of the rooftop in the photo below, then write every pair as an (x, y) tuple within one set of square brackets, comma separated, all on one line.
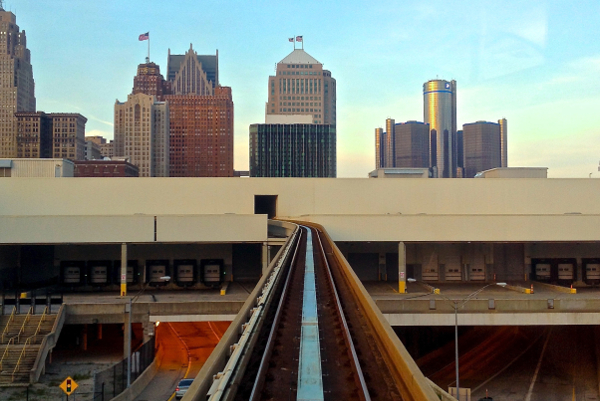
[(299, 56)]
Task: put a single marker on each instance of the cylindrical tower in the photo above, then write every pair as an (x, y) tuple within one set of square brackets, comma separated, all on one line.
[(439, 99)]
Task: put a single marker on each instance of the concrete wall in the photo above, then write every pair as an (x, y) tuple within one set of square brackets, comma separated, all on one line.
[(514, 210)]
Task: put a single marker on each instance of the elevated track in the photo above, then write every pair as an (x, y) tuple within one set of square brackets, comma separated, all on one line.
[(310, 331)]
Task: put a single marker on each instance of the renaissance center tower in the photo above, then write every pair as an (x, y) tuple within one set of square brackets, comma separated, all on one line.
[(439, 98)]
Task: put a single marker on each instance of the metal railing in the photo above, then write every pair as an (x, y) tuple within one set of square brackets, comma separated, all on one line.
[(25, 321), (5, 354), (10, 320), (39, 326), (18, 365)]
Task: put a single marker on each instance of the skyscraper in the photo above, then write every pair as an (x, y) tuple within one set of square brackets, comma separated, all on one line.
[(292, 150), (482, 147), (390, 142), (379, 148), (141, 132), (200, 117), (16, 81), (302, 86), (439, 99), (503, 142), (150, 81), (411, 141)]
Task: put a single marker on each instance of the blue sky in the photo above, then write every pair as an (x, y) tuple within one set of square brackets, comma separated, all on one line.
[(536, 63)]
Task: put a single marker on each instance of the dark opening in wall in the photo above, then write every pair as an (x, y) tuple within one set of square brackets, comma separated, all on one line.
[(265, 204)]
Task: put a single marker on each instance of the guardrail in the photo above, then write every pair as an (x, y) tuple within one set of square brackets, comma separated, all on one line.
[(10, 320), (48, 343), (5, 353), (18, 365), (218, 358), (25, 321)]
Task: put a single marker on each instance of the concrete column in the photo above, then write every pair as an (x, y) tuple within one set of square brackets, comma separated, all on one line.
[(99, 331), (148, 328), (401, 267), (579, 271), (123, 269), (265, 257), (382, 267), (126, 333)]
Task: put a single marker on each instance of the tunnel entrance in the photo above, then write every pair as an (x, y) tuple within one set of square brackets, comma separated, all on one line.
[(265, 204)]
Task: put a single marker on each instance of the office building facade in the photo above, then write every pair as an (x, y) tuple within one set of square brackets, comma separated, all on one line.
[(201, 134), (411, 145), (292, 150), (201, 117), (301, 86), (439, 99), (482, 147), (34, 135), (68, 136), (150, 81), (141, 131), (16, 81)]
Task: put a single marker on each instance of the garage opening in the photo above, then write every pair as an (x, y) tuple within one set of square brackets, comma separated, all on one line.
[(265, 204)]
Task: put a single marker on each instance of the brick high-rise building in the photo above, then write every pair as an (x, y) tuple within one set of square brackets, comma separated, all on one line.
[(202, 134), (302, 86), (141, 132), (16, 81), (150, 81), (201, 118)]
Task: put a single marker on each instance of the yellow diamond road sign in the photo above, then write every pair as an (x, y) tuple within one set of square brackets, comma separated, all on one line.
[(68, 386)]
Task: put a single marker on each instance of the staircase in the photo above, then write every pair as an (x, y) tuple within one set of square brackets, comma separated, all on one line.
[(20, 344)]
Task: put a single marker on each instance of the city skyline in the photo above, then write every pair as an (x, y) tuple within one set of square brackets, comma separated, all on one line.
[(534, 64)]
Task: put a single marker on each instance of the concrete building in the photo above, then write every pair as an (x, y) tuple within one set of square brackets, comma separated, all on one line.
[(34, 167), (16, 81), (105, 168), (68, 135), (108, 149), (34, 135), (92, 150), (141, 132), (292, 150), (482, 142), (398, 172), (439, 98), (302, 86)]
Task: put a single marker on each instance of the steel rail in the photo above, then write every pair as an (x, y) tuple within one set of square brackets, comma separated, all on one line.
[(222, 379), (264, 363), (346, 332)]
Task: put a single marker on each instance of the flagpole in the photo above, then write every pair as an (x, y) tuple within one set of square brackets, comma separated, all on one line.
[(294, 42), (147, 61)]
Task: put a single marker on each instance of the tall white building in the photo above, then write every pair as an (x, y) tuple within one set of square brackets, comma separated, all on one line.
[(302, 86), (141, 133), (16, 81)]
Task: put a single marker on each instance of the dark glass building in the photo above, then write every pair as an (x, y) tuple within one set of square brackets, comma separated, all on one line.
[(292, 150), (482, 143), (411, 141)]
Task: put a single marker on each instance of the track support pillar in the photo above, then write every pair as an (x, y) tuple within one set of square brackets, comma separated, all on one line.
[(401, 267)]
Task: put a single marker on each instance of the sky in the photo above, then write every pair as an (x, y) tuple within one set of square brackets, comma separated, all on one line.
[(535, 63)]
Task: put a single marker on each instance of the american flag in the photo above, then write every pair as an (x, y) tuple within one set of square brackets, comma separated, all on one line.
[(144, 36), (298, 38), (291, 39)]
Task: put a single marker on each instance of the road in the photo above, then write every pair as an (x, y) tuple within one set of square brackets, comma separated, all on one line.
[(182, 350)]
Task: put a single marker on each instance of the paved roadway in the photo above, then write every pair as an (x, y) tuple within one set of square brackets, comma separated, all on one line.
[(183, 349)]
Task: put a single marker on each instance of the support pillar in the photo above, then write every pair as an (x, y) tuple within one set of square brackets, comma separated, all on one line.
[(265, 257), (99, 331), (127, 331), (123, 269), (382, 267), (401, 267)]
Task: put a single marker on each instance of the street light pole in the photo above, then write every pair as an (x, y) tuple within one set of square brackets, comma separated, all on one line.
[(456, 306)]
